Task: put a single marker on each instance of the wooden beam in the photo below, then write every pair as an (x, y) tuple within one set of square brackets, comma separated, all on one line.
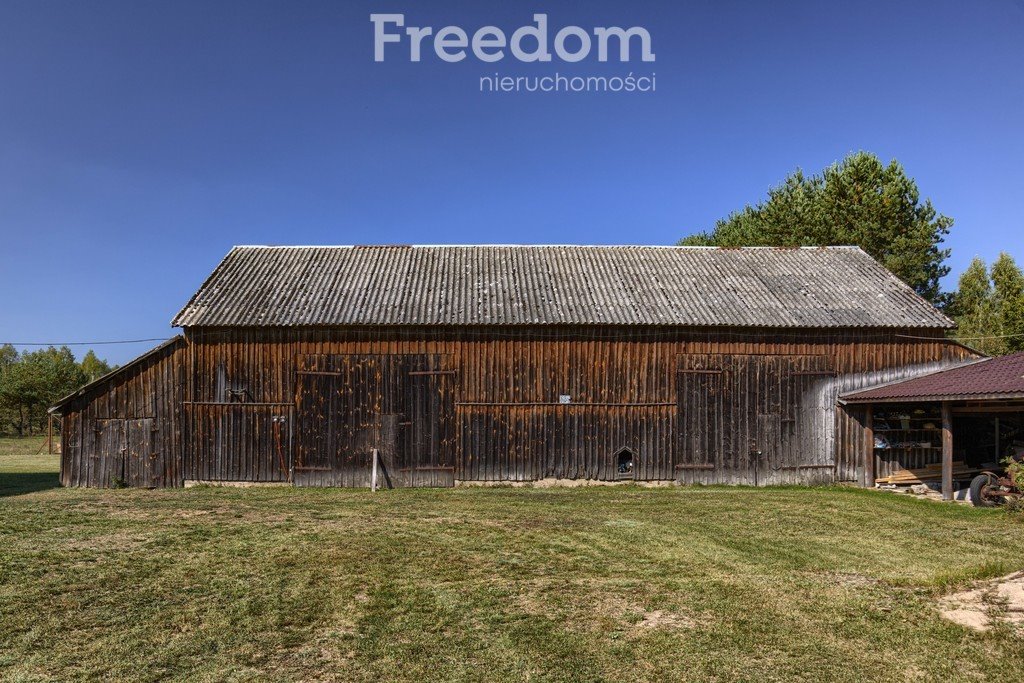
[(988, 409), (947, 451), (997, 449), (484, 404), (236, 404), (869, 445)]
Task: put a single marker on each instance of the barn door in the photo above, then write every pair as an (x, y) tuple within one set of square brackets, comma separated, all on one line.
[(425, 456), (106, 461), (349, 405), (141, 462), (808, 415), (702, 441), (338, 399), (731, 411), (756, 411)]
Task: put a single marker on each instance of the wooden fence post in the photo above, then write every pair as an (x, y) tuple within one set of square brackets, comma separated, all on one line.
[(947, 451), (869, 446), (373, 476), (389, 451)]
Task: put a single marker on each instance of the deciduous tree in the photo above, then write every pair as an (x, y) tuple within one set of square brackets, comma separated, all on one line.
[(35, 380), (93, 366), (1008, 292)]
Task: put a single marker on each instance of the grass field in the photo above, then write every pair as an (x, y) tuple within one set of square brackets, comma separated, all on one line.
[(21, 470), (490, 584)]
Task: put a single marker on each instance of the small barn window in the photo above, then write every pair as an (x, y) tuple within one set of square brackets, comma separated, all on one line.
[(221, 387), (625, 461)]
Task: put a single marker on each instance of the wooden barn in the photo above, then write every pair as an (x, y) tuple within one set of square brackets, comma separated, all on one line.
[(510, 364)]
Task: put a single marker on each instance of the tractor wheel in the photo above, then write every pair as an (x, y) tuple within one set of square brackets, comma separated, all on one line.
[(979, 492)]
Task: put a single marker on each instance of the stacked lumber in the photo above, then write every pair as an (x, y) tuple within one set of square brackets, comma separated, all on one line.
[(928, 473)]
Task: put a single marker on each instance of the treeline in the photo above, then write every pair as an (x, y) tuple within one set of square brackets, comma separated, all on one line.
[(862, 201), (32, 381), (989, 306)]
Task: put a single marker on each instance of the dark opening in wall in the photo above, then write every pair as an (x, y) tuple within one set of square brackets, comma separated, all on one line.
[(220, 388), (625, 460), (226, 390)]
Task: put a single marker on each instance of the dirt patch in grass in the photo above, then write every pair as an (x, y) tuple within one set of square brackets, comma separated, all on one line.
[(981, 608), (666, 620), (118, 542), (598, 607), (852, 580)]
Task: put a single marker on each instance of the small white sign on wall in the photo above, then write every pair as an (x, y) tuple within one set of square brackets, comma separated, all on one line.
[(564, 398)]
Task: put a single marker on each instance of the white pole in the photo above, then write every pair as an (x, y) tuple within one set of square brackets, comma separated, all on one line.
[(373, 477)]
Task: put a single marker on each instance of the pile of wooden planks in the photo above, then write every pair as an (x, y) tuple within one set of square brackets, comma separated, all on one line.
[(928, 473)]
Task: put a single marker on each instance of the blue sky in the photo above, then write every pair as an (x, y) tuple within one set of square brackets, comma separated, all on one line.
[(140, 140)]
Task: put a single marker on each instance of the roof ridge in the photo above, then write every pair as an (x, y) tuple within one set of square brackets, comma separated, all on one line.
[(828, 247)]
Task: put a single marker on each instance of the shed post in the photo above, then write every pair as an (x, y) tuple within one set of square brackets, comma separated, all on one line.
[(947, 451), (869, 446)]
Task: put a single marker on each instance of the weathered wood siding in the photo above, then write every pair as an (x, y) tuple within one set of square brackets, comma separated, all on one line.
[(753, 419), (488, 404), (767, 416), (127, 430), (349, 405), (237, 442)]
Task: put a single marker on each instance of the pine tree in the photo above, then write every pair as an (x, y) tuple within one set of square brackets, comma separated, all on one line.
[(859, 201)]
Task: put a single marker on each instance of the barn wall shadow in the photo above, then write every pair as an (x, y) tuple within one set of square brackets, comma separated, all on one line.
[(18, 483)]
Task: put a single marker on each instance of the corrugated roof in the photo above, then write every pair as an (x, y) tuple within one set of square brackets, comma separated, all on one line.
[(990, 378), (555, 285)]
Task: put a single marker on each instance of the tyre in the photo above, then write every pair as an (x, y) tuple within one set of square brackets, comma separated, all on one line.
[(979, 492)]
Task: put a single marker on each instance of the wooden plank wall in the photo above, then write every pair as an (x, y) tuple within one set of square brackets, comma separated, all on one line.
[(237, 442), (128, 429), (222, 402), (342, 405), (753, 419), (622, 386)]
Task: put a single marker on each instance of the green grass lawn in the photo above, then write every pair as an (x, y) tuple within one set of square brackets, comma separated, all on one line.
[(25, 465), (491, 584), (21, 446)]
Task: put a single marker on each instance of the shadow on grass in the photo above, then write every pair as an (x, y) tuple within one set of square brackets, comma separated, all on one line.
[(18, 483)]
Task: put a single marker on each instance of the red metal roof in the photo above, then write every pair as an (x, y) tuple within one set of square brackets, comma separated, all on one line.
[(989, 378)]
